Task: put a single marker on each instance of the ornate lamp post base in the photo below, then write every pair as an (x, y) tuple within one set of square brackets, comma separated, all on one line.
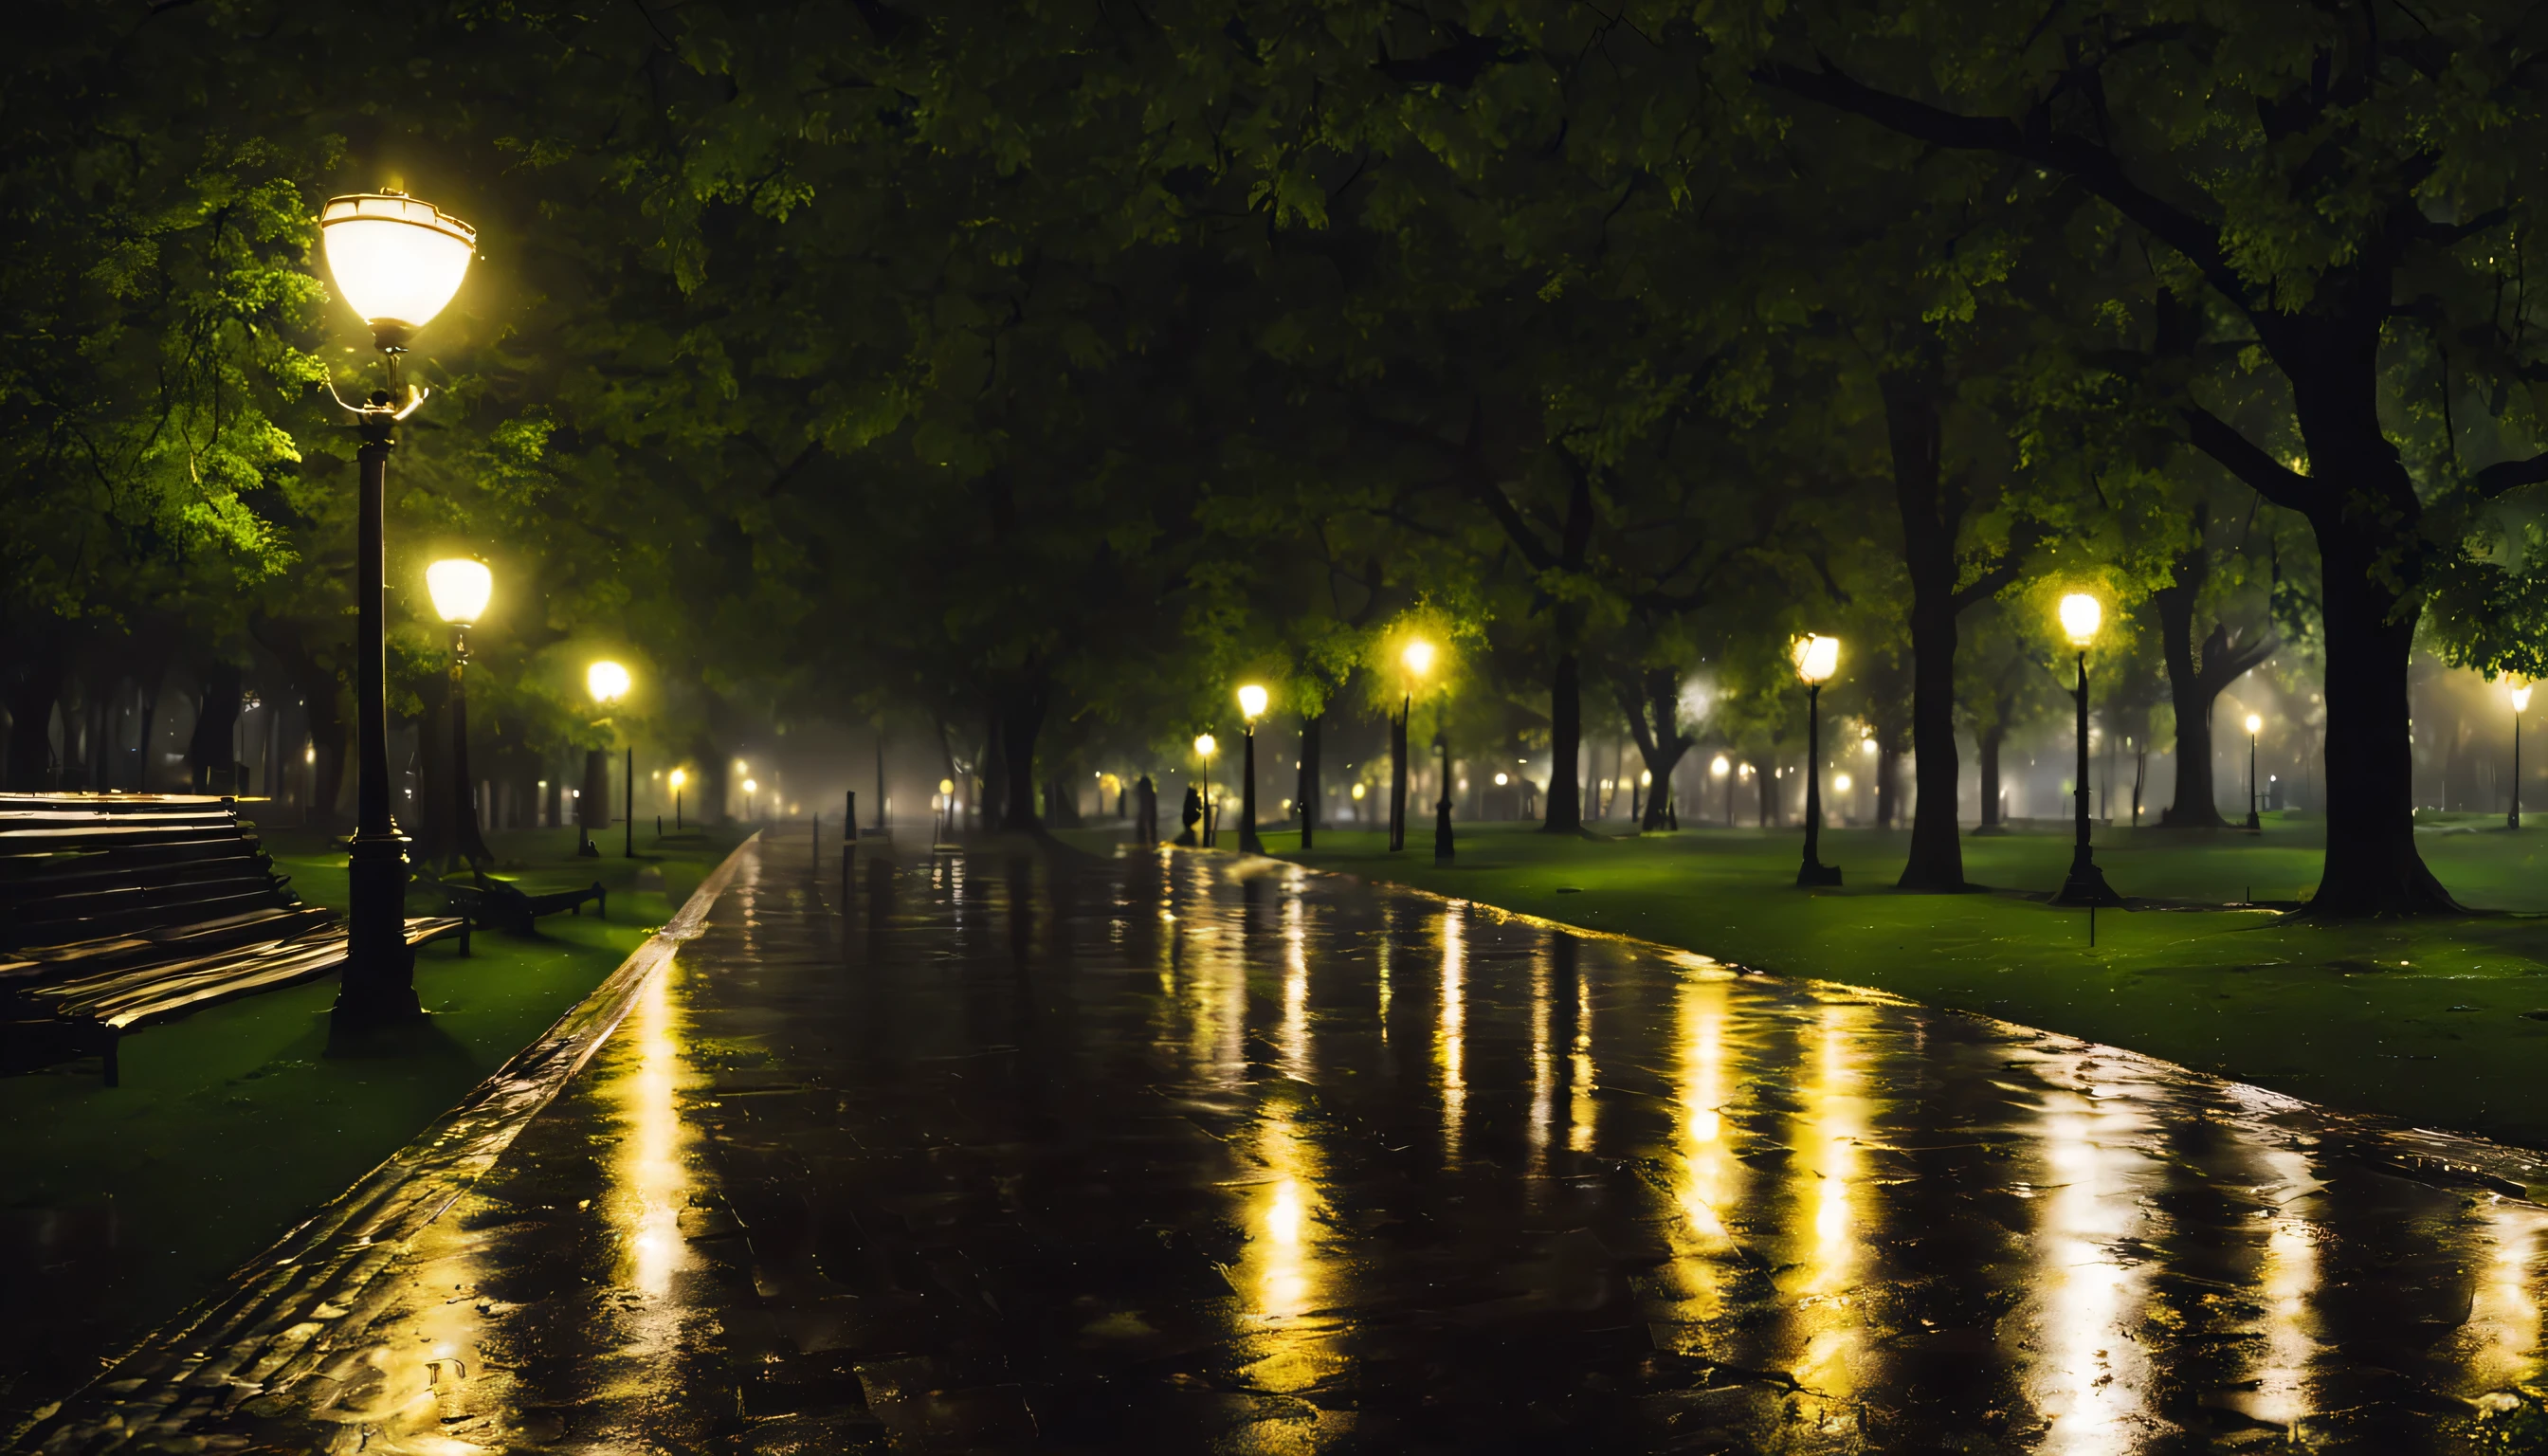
[(378, 988), (2087, 885), (1810, 876)]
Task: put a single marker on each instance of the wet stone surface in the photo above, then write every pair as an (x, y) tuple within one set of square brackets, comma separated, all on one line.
[(1183, 1153)]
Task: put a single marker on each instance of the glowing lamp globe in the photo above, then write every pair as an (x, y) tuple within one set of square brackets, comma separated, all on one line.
[(1205, 743), (2521, 698), (1840, 782), (1502, 780), (1646, 777), (1251, 701), (2080, 615), (946, 788), (459, 589), (749, 787), (1357, 790), (2255, 725), (679, 778), (395, 259), (1719, 767), (1817, 658), (1418, 657), (606, 680)]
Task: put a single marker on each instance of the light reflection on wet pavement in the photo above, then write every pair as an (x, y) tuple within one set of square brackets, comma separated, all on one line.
[(1190, 1153)]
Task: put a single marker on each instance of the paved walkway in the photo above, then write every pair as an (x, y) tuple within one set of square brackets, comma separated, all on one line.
[(1190, 1155)]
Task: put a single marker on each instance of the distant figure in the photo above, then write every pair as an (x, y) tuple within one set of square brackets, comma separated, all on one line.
[(1145, 822), (1192, 814)]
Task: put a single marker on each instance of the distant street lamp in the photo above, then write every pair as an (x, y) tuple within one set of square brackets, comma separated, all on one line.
[(460, 589), (1418, 658), (1204, 746), (1722, 767), (2086, 883), (2520, 705), (2256, 725), (608, 683), (678, 778), (397, 261), (946, 810), (1251, 707), (1817, 658), (750, 786)]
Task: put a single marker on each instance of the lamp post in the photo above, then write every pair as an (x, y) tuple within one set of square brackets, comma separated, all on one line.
[(608, 682), (1418, 658), (750, 786), (1204, 747), (460, 589), (1442, 805), (2256, 725), (1722, 767), (1817, 658), (2086, 883), (397, 261), (676, 777), (2520, 705), (1251, 707), (946, 810)]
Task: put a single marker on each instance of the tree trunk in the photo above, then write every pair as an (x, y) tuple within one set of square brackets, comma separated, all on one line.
[(1311, 726), (32, 697), (1889, 785), (209, 751), (1931, 519), (1763, 774), (1564, 812), (1988, 742), (1020, 719), (2187, 689), (2372, 865)]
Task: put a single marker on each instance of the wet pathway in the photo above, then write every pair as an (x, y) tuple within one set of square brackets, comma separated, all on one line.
[(1187, 1154)]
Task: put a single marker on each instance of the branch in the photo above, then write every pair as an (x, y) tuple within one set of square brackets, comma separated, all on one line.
[(2092, 166), (2507, 476), (2241, 457)]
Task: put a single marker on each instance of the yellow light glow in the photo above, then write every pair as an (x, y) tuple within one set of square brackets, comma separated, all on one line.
[(946, 786), (1646, 777), (1871, 750), (459, 589), (1357, 790), (1205, 743), (2080, 615), (606, 680), (2255, 725), (395, 259), (1839, 781), (1418, 657), (750, 786), (2521, 698), (1251, 702), (679, 778), (310, 754), (1817, 658), (1502, 780), (1719, 767)]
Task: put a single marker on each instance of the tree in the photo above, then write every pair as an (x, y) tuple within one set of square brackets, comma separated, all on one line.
[(2195, 677)]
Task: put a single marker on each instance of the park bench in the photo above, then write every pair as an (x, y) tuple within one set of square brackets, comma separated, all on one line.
[(121, 911), (504, 905)]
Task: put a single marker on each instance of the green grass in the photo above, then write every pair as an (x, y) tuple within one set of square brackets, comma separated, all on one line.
[(233, 1123), (2429, 1021)]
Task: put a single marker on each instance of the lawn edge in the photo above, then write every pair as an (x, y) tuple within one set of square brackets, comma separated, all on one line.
[(2442, 1157), (232, 1345)]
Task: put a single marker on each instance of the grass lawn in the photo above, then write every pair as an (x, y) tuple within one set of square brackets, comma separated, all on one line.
[(122, 1206), (2442, 1023)]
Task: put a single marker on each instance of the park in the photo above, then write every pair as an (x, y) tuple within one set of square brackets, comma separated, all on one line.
[(859, 725)]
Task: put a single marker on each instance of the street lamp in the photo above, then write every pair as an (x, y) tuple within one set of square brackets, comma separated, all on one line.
[(2256, 725), (1723, 768), (1418, 658), (946, 810), (1442, 848), (1817, 658), (460, 589), (608, 683), (397, 261), (750, 786), (1251, 707), (2086, 883), (676, 777), (1205, 745)]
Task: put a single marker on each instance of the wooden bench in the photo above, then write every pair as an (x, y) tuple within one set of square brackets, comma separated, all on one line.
[(504, 905), (121, 911)]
